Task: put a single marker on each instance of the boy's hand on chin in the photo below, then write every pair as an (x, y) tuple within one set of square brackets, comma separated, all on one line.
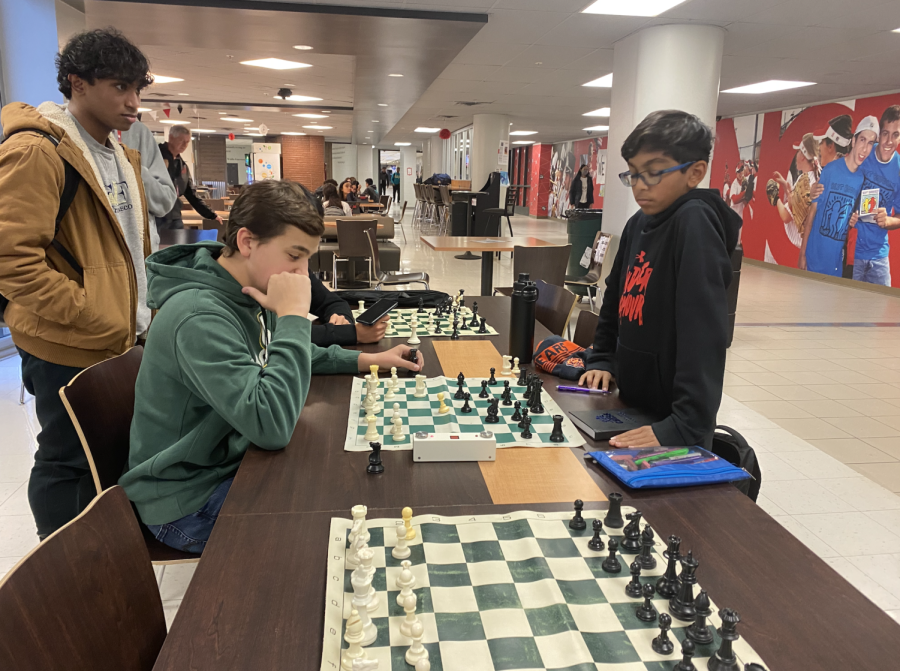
[(286, 294), (642, 437)]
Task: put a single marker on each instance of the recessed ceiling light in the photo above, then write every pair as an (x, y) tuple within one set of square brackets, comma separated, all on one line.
[(375, 121), (395, 75), (642, 8), (235, 119), (603, 111), (402, 144), (896, 30), (184, 94), (298, 98), (524, 142), (254, 134), (768, 86), (292, 133), (312, 116), (539, 63), (290, 86), (423, 129), (326, 112), (523, 132), (603, 82), (302, 47), (596, 128), (162, 79), (144, 109), (382, 104), (224, 112), (319, 127), (175, 122), (202, 130), (276, 64)]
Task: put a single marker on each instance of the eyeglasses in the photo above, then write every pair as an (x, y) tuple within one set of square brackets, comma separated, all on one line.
[(650, 177)]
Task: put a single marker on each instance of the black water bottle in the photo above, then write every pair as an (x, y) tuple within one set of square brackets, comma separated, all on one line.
[(521, 319)]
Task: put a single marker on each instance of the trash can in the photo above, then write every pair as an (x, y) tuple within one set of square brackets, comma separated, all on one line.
[(583, 227)]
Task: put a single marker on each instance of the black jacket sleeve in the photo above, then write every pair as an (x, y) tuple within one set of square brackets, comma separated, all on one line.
[(701, 326), (198, 204), (324, 304), (575, 192), (606, 337)]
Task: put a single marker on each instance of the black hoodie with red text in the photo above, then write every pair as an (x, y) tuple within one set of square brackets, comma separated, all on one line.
[(663, 324)]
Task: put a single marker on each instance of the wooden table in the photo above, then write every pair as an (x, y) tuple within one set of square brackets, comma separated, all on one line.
[(256, 599), (368, 206), (194, 220), (486, 244), (184, 236)]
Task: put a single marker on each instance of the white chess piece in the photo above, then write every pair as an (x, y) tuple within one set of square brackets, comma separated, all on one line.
[(421, 391), (444, 408), (389, 394), (423, 664), (401, 550), (406, 581), (395, 381), (416, 651), (409, 607), (359, 515), (431, 322), (396, 414), (372, 665), (354, 637), (371, 431), (397, 434), (414, 337), (367, 571), (353, 551), (361, 597), (506, 371), (515, 370)]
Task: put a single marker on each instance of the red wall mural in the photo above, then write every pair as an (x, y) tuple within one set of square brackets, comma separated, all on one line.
[(558, 164)]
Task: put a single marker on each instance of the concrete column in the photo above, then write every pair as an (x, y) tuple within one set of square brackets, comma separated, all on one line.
[(426, 159), (649, 75), (366, 165), (28, 46), (407, 175), (488, 131)]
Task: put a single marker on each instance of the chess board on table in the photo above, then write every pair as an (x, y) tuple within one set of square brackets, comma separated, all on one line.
[(400, 325), (421, 414), (516, 591)]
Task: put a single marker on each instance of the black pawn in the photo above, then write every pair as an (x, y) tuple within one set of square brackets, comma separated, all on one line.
[(682, 604), (525, 418), (484, 392), (455, 334), (632, 532), (667, 585), (523, 377), (437, 328), (492, 380), (375, 466), (466, 407), (421, 309), (537, 405), (699, 632), (517, 415), (557, 435), (661, 644), (483, 327), (646, 612), (493, 411), (687, 652), (634, 588), (596, 543), (526, 432), (460, 391), (613, 519), (611, 564), (725, 659), (577, 522), (646, 558), (507, 393)]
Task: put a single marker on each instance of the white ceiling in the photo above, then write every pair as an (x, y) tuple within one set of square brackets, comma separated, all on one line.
[(844, 46)]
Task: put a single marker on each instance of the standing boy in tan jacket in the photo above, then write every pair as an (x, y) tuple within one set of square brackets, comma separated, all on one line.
[(77, 295)]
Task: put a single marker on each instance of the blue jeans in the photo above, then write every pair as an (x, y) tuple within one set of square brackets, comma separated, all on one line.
[(190, 533), (873, 271)]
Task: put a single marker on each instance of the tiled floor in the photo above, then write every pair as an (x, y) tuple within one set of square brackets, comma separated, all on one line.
[(820, 404)]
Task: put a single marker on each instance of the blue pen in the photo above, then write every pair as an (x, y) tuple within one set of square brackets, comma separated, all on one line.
[(582, 390)]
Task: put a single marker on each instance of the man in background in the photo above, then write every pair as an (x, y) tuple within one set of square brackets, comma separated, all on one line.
[(382, 180), (179, 139), (158, 188)]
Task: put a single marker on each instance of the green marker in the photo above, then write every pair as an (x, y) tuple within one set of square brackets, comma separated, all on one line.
[(680, 452)]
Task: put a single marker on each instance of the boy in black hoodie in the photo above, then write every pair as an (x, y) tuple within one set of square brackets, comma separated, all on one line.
[(663, 324)]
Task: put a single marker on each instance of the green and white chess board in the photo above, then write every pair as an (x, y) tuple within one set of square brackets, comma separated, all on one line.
[(400, 325), (517, 591), (421, 414)]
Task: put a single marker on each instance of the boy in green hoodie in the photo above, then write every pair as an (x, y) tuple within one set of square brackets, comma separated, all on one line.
[(228, 360)]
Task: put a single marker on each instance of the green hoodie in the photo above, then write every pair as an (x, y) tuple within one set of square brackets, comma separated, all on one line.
[(219, 373)]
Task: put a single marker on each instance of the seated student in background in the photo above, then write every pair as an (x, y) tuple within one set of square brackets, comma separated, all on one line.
[(348, 195), (333, 204), (370, 194), (663, 324), (228, 360), (338, 326)]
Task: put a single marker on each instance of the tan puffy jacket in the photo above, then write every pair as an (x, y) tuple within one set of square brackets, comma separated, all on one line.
[(53, 313)]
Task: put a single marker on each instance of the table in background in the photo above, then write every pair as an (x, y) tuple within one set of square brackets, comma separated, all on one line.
[(256, 599), (184, 236), (487, 245), (194, 220)]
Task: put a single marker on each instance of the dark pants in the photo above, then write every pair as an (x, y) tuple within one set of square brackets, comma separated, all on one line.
[(165, 224), (61, 485), (396, 192)]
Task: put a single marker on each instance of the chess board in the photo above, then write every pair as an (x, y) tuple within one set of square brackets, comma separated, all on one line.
[(421, 414), (515, 591), (400, 325)]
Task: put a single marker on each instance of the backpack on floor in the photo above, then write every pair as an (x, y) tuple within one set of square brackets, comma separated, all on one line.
[(734, 448)]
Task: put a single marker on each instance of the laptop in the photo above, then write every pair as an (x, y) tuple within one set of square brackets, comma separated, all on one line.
[(604, 424)]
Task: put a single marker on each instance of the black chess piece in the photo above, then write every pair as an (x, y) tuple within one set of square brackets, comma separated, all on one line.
[(437, 328), (466, 407), (667, 585), (375, 466), (661, 644), (421, 309), (526, 432), (492, 380), (682, 604), (524, 417), (517, 414), (687, 652), (506, 397), (413, 355), (523, 377), (646, 558), (484, 392), (557, 435), (455, 334), (753, 666), (634, 588), (611, 564), (577, 522), (473, 324), (632, 531), (646, 612), (493, 411), (613, 519), (596, 543), (537, 405), (699, 632), (461, 389), (483, 327), (725, 659), (529, 382)]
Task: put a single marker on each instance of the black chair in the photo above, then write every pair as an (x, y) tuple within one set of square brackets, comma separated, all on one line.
[(544, 263), (585, 328), (512, 195), (352, 243), (554, 307), (390, 278)]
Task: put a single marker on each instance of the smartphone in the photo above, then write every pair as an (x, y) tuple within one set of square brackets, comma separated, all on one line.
[(377, 311)]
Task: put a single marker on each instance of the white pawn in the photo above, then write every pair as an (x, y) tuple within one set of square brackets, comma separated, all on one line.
[(421, 391), (431, 323), (389, 394), (372, 665), (371, 431), (359, 515), (444, 408), (396, 409), (395, 381), (397, 434), (409, 607), (406, 581), (362, 306), (414, 338), (401, 550), (354, 638), (515, 370), (416, 651), (423, 664)]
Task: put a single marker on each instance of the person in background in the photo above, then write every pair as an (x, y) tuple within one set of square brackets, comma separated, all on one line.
[(179, 139), (382, 180), (370, 194), (395, 182), (321, 189), (158, 188), (337, 325), (332, 203), (802, 175), (581, 194), (735, 195), (348, 195), (834, 143), (60, 323)]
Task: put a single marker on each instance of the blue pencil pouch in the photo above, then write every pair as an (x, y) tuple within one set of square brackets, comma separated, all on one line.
[(657, 467)]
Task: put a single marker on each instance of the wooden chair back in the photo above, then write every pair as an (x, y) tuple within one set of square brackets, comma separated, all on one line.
[(100, 402), (351, 237), (372, 240), (542, 263), (585, 328), (215, 204), (402, 212), (85, 598), (384, 200), (554, 307)]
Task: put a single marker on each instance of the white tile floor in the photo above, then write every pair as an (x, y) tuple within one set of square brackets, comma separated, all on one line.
[(773, 374)]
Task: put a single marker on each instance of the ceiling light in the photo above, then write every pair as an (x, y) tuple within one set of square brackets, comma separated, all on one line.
[(326, 112), (642, 8), (319, 127), (144, 109), (402, 144), (603, 82), (312, 116), (174, 121), (298, 98), (224, 112), (596, 128), (302, 47), (254, 134), (768, 86), (276, 64), (162, 79), (235, 119), (524, 142), (184, 94), (382, 104), (603, 111), (523, 132), (203, 130), (896, 30), (395, 75), (292, 133), (375, 121), (423, 129)]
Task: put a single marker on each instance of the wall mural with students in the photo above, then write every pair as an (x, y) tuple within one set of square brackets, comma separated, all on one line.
[(817, 187), (565, 160)]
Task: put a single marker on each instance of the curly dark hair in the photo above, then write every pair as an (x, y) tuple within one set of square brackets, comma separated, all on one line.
[(677, 134), (101, 54)]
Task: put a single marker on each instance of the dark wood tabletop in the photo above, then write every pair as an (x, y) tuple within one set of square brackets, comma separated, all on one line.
[(257, 598)]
